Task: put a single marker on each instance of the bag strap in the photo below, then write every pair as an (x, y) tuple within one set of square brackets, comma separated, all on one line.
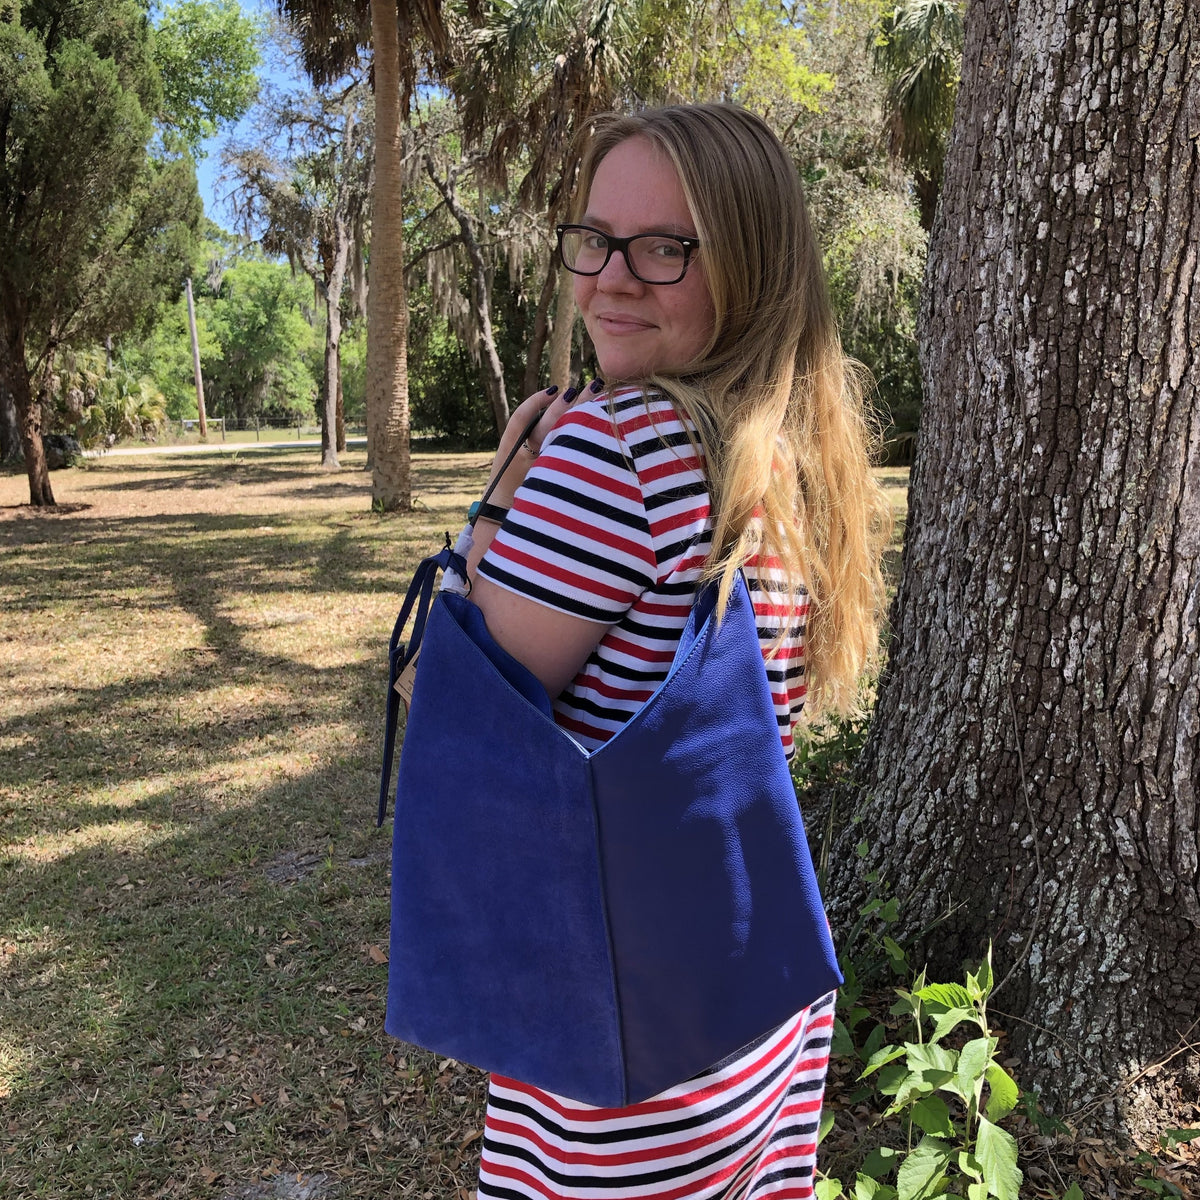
[(400, 654)]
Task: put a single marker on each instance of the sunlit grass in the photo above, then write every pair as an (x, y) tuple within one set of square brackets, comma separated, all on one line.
[(193, 895)]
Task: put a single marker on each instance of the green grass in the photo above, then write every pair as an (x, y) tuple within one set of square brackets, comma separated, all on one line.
[(193, 895)]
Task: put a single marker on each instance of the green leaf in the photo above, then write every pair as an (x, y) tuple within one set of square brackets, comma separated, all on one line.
[(923, 1170), (968, 1164), (978, 1191), (879, 1162), (842, 1044), (828, 1189), (997, 1153), (1074, 1192), (890, 913), (1175, 1137), (866, 1188), (932, 1115), (874, 1041), (952, 1017), (856, 1016), (931, 1058), (881, 1058), (825, 1127), (952, 995), (1002, 1092), (892, 1078), (979, 985), (973, 1060)]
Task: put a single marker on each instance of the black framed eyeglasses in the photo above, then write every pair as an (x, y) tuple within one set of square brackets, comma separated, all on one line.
[(650, 257)]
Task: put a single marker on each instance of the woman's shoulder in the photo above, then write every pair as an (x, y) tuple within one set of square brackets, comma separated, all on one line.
[(645, 427)]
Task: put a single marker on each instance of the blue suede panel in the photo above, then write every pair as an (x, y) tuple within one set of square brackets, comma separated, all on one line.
[(718, 930), (499, 951), (516, 855)]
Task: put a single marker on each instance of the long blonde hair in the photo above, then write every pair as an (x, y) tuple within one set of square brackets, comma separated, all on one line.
[(778, 406)]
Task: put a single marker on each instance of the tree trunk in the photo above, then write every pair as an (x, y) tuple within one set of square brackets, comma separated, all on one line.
[(541, 324), (493, 371), (10, 430), (564, 327), (387, 310), (15, 374), (1032, 770), (332, 387), (341, 412)]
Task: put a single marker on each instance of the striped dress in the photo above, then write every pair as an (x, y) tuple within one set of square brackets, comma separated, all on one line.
[(612, 524)]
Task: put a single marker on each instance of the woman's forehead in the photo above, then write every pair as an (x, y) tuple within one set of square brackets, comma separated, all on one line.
[(636, 189)]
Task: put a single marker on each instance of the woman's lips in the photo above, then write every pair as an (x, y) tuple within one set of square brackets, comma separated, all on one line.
[(618, 323)]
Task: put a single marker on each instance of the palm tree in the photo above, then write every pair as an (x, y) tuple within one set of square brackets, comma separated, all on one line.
[(919, 50), (400, 33), (535, 72)]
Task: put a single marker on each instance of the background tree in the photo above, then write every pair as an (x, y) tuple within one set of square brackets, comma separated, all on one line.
[(91, 228), (919, 50), (312, 207), (1031, 774), (399, 32), (208, 56)]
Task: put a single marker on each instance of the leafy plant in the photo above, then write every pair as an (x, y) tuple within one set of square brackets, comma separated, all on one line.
[(950, 1095), (97, 400)]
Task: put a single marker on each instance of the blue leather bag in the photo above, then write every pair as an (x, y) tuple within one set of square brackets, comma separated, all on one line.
[(605, 924)]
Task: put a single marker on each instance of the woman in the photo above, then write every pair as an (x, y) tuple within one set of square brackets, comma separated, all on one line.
[(729, 435)]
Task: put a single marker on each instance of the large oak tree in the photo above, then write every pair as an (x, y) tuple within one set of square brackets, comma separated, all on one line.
[(1034, 764)]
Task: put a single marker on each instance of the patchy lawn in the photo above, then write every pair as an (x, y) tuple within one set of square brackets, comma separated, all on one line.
[(193, 895)]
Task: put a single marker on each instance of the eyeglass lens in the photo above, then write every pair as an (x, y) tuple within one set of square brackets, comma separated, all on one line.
[(652, 258)]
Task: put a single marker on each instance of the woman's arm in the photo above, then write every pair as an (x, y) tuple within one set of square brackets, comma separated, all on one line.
[(552, 644)]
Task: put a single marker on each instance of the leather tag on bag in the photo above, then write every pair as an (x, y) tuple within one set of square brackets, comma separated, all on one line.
[(405, 681)]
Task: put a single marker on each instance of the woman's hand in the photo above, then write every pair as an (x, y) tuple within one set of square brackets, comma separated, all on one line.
[(551, 405)]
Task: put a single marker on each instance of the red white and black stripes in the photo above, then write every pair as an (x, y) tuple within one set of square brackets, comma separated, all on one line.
[(744, 1130), (612, 524)]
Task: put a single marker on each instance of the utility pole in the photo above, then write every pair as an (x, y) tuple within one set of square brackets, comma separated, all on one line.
[(196, 363)]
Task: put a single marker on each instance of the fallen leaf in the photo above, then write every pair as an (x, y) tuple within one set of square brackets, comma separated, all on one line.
[(230, 1126), (376, 955), (284, 1098)]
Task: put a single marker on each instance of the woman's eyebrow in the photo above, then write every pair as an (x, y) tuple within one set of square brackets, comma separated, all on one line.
[(667, 227)]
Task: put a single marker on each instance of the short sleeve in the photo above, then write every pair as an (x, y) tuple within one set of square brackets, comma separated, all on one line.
[(577, 538)]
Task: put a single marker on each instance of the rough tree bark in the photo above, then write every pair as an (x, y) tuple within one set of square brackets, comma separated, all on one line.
[(561, 336), (387, 308), (335, 256), (10, 432), (1034, 761), (15, 374)]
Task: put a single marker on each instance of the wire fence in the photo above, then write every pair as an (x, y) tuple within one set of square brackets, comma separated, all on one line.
[(263, 428)]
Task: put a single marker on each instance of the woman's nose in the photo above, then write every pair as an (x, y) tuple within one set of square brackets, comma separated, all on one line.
[(616, 274)]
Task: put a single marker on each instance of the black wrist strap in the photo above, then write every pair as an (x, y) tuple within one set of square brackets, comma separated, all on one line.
[(484, 506)]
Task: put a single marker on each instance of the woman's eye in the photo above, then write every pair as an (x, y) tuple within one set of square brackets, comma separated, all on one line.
[(596, 242), (666, 249)]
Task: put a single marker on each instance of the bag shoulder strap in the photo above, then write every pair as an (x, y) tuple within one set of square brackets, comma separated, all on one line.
[(400, 654)]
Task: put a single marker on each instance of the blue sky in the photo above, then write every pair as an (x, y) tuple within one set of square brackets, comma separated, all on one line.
[(209, 167)]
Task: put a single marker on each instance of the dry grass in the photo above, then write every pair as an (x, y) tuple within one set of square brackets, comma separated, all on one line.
[(194, 896)]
